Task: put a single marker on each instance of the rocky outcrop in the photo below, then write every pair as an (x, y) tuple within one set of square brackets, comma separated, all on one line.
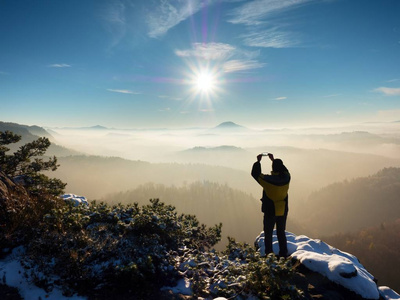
[(316, 286), (8, 189), (13, 199), (5, 185), (325, 272)]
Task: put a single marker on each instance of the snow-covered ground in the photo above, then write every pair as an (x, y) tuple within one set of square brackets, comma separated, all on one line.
[(340, 267), (75, 199), (13, 274)]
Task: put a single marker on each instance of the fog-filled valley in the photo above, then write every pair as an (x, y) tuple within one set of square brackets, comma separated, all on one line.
[(344, 179), (315, 157), (204, 170), (114, 160), (339, 182), (99, 162)]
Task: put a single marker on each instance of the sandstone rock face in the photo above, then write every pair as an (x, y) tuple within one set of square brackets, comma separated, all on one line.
[(6, 185), (9, 192), (8, 188), (317, 286)]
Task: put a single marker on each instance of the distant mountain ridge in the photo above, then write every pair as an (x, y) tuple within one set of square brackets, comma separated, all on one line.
[(357, 138), (26, 131), (30, 133), (212, 149), (229, 126), (361, 202), (94, 127)]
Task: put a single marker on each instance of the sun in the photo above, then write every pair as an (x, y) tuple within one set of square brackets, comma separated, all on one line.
[(205, 82)]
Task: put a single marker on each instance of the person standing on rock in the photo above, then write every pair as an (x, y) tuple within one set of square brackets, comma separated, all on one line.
[(274, 201)]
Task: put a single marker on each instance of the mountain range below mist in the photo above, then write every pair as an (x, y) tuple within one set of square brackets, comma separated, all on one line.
[(229, 127), (119, 160), (312, 168), (339, 181), (354, 204), (225, 158), (26, 132), (225, 125), (31, 133)]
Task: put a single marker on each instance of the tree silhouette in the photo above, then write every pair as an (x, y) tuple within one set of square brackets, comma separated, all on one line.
[(26, 164)]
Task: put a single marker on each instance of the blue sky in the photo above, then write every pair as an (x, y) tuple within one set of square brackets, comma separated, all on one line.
[(132, 63)]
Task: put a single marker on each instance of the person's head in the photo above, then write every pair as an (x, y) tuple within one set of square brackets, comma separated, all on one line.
[(278, 166)]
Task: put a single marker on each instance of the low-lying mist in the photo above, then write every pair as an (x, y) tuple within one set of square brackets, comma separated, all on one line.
[(315, 156), (115, 160), (164, 145)]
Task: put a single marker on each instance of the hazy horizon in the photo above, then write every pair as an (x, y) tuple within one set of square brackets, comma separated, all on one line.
[(155, 64), (315, 82), (378, 139)]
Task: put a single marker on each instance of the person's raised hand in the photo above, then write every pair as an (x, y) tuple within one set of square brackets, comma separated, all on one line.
[(271, 156), (259, 156)]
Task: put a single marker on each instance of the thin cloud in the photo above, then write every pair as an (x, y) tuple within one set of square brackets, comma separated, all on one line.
[(394, 80), (265, 25), (59, 66), (241, 65), (169, 97), (271, 38), (216, 51), (115, 22), (388, 91), (254, 12), (169, 14), (210, 51), (3, 73), (123, 91), (280, 98)]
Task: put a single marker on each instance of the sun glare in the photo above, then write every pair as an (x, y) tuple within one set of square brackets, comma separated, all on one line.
[(205, 82)]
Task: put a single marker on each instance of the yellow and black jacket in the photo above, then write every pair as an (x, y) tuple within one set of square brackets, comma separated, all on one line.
[(275, 190)]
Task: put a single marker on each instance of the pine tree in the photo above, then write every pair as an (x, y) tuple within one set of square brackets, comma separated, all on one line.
[(27, 163)]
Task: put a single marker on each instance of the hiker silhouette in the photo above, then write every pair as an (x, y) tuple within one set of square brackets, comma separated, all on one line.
[(274, 201)]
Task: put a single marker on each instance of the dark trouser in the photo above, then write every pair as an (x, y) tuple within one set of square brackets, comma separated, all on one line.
[(269, 223)]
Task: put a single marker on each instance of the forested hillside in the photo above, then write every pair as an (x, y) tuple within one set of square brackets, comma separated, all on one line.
[(355, 204), (96, 176), (378, 249), (211, 202)]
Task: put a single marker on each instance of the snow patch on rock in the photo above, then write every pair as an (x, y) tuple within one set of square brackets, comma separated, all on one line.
[(75, 199)]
